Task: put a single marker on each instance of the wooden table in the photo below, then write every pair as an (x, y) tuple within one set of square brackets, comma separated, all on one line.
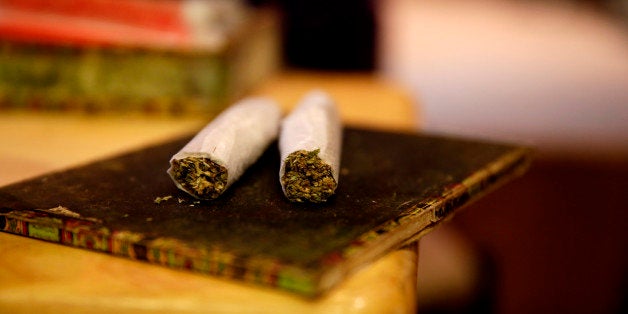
[(37, 276)]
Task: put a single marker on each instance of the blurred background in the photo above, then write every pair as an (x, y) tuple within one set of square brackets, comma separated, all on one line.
[(551, 74)]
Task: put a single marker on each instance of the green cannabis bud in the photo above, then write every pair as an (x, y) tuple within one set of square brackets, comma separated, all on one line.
[(307, 177), (200, 177)]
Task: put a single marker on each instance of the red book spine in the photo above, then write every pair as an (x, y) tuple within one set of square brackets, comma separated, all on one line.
[(56, 29), (156, 14), (144, 23)]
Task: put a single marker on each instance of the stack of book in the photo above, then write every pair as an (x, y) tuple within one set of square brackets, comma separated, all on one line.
[(157, 56)]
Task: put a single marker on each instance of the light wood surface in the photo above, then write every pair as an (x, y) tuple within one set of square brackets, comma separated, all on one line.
[(49, 278), (363, 100)]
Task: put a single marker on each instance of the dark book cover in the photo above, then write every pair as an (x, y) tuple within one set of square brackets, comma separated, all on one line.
[(393, 188)]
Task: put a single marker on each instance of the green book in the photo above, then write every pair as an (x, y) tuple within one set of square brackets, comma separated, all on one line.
[(393, 188), (40, 74)]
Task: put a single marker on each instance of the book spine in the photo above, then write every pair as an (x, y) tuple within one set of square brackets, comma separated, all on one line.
[(93, 235), (44, 27), (157, 14), (99, 80), (181, 24)]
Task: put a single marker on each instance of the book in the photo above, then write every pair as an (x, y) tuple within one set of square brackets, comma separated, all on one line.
[(165, 56), (393, 189)]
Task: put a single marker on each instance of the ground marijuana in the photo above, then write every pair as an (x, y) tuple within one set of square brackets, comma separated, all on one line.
[(200, 176), (307, 177)]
